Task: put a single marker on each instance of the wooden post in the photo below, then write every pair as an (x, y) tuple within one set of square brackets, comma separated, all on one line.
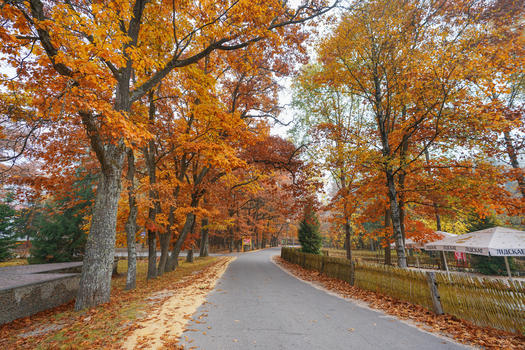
[(446, 264), (434, 293), (508, 267)]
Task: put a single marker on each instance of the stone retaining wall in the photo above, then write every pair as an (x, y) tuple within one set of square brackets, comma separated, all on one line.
[(28, 289), (29, 299)]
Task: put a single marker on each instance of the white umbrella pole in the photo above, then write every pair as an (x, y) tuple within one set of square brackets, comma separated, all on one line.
[(508, 267), (446, 264)]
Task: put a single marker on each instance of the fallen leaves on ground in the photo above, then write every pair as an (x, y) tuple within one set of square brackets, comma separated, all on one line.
[(104, 326), (447, 325), (168, 319)]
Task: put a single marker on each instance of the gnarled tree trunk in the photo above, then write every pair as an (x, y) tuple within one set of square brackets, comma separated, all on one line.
[(95, 280)]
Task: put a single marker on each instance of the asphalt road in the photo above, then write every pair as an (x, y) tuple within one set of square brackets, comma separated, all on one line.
[(256, 305)]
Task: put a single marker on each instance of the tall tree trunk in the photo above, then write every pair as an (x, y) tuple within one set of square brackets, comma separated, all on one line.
[(402, 218), (265, 235), (401, 181), (149, 153), (131, 224), (395, 214), (383, 118), (173, 259), (186, 229), (347, 227), (348, 231), (348, 239), (152, 254), (438, 218), (230, 230), (190, 218), (95, 280), (511, 151), (436, 212), (388, 255), (434, 203), (189, 256), (230, 239), (165, 242), (253, 235), (204, 238)]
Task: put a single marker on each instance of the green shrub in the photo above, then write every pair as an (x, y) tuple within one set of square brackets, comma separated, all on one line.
[(7, 229), (309, 235), (491, 265), (57, 229)]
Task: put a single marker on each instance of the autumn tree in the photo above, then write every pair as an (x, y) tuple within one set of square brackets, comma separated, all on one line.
[(411, 63), (332, 123), (500, 83), (93, 62)]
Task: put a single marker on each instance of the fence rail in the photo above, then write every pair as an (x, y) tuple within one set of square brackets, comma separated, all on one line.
[(483, 301), (419, 260)]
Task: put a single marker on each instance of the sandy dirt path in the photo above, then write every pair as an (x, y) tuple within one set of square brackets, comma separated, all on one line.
[(166, 322)]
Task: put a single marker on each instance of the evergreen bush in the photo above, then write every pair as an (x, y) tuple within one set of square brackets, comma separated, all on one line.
[(7, 229), (309, 235), (58, 233)]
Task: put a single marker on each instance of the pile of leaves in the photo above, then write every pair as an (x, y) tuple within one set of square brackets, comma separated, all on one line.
[(102, 327), (447, 325)]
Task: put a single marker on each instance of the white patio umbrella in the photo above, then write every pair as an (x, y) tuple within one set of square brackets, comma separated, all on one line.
[(440, 235), (495, 241)]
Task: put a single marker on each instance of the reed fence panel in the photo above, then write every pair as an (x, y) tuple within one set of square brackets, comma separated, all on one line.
[(485, 302)]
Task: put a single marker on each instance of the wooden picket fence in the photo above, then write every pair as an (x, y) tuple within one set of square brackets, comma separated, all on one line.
[(403, 284), (419, 260), (483, 301)]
